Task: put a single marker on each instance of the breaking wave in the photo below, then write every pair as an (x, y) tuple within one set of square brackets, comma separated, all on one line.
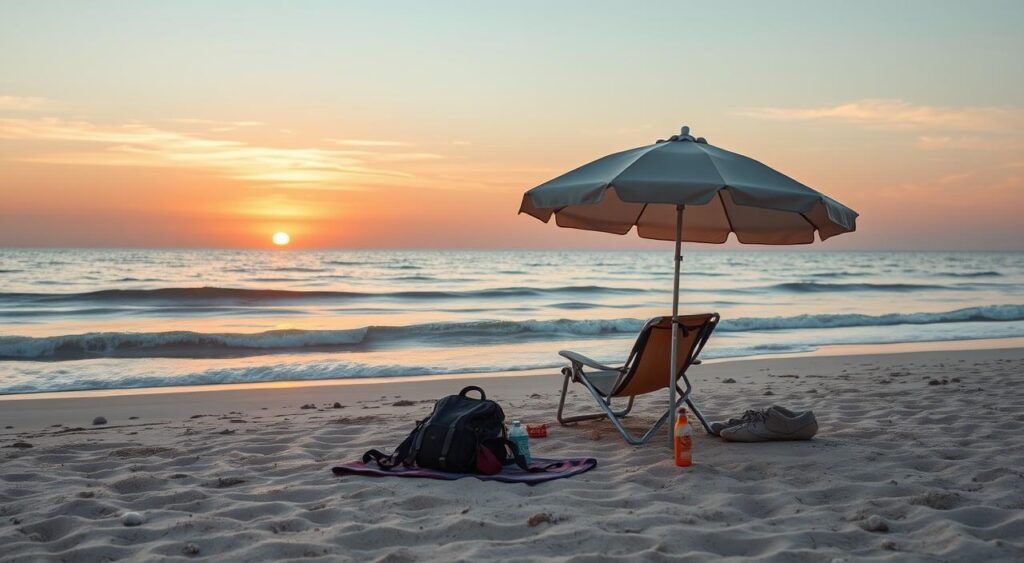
[(189, 344), (240, 295)]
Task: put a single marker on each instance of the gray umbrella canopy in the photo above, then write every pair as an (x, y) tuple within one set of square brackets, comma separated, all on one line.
[(684, 189), (722, 192)]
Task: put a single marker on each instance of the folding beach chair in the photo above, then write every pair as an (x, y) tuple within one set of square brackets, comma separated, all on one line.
[(644, 372)]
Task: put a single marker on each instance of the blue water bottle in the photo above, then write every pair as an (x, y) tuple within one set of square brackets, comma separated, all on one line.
[(521, 439)]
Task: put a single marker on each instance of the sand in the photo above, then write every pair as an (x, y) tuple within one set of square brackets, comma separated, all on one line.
[(920, 458)]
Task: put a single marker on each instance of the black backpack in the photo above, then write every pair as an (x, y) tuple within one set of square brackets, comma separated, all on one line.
[(461, 435)]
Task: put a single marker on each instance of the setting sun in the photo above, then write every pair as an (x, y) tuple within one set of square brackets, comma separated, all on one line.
[(281, 238)]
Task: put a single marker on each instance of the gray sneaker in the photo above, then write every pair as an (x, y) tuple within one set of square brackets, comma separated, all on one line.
[(774, 423), (717, 427)]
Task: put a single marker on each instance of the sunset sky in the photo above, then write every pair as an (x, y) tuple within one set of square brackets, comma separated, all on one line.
[(420, 124)]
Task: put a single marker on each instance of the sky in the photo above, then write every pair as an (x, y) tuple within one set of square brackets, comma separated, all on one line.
[(421, 124)]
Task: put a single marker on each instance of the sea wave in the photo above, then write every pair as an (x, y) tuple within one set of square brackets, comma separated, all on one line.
[(186, 344), (822, 287), (985, 274), (229, 294), (189, 344), (991, 313), (20, 383), (28, 378), (300, 269), (235, 295)]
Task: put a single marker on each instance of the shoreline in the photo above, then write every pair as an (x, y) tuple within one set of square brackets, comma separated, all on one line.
[(822, 351), (165, 401)]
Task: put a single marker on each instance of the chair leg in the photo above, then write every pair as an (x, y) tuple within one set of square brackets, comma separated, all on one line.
[(605, 405), (615, 419), (700, 416), (615, 416), (685, 396), (628, 409)]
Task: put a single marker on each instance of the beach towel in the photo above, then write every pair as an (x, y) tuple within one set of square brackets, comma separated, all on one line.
[(556, 469)]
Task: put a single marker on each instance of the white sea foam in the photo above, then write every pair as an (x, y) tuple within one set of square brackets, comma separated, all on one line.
[(192, 344), (177, 343), (106, 373)]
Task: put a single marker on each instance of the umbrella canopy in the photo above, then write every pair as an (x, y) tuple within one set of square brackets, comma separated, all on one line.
[(722, 192), (685, 189)]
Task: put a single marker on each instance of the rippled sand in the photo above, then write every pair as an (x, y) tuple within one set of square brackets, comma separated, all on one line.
[(244, 475)]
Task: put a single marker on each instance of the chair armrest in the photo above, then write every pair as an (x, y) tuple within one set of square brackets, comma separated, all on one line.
[(580, 359)]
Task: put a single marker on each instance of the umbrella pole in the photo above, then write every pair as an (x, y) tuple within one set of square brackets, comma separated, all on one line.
[(675, 330)]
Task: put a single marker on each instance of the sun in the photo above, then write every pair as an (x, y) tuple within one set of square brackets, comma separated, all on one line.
[(281, 238)]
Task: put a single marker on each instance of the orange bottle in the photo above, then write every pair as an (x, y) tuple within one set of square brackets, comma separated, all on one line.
[(684, 440)]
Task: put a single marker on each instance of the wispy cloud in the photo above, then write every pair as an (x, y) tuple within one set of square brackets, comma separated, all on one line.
[(217, 125), (198, 121), (25, 103), (899, 114), (407, 156), (954, 178), (139, 144), (377, 149), (367, 143), (944, 142)]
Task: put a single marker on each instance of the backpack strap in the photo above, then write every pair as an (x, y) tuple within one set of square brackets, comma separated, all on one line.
[(399, 457), (404, 454), (382, 459), (468, 388)]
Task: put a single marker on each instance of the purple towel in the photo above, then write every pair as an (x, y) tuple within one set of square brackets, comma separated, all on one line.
[(510, 474)]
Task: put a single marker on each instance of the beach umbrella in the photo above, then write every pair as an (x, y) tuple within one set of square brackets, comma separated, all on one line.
[(684, 189)]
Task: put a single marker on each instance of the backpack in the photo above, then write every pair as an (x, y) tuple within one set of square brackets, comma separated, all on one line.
[(461, 435)]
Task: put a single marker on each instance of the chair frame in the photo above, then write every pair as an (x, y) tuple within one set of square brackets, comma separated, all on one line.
[(575, 373)]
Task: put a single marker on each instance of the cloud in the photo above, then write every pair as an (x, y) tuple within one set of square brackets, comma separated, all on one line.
[(372, 149), (367, 143), (217, 125), (955, 178), (899, 114), (943, 142), (25, 103), (407, 156), (139, 144)]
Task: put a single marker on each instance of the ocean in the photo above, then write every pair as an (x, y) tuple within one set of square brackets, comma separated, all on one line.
[(74, 319)]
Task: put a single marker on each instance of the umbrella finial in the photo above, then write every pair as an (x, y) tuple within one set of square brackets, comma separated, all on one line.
[(684, 135)]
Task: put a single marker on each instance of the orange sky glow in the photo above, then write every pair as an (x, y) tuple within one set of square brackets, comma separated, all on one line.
[(432, 141)]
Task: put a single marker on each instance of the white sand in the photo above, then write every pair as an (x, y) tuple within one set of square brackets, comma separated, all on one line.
[(215, 475)]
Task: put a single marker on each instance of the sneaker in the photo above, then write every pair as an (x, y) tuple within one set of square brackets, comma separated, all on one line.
[(717, 427), (774, 423)]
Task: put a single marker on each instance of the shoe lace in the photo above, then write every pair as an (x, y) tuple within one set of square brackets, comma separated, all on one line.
[(754, 415)]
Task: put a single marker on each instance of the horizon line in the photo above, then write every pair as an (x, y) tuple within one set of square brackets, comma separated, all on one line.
[(703, 248)]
